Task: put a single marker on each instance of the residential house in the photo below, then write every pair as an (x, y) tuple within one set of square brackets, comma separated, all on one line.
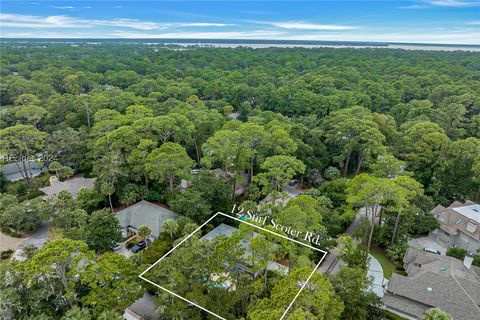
[(145, 213), (228, 231), (16, 171), (72, 186), (459, 226), (435, 281), (142, 309), (241, 179)]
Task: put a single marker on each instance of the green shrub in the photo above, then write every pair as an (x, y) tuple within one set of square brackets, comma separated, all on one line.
[(4, 255), (158, 248), (476, 260), (458, 253), (331, 173), (133, 242), (153, 195), (10, 232)]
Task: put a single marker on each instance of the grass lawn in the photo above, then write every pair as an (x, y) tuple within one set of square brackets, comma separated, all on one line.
[(392, 316), (387, 266)]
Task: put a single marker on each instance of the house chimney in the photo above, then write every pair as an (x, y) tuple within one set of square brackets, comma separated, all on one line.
[(53, 179), (184, 184), (467, 262)]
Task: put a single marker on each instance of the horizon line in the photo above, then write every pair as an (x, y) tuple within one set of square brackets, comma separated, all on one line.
[(245, 40)]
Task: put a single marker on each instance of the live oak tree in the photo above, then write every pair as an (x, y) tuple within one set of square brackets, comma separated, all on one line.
[(137, 160), (403, 202), (352, 287), (168, 162), (192, 203), (109, 170), (106, 108), (257, 141), (63, 274), (54, 268), (277, 171), (387, 167), (372, 194), (31, 114), (318, 301), (353, 131), (205, 121), (226, 149), (102, 231), (476, 176), (22, 142), (427, 159), (112, 282), (20, 217), (304, 213), (73, 223), (262, 252)]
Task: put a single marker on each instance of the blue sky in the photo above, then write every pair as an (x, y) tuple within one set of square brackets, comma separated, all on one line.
[(421, 21)]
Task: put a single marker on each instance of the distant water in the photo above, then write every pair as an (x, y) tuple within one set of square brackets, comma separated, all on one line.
[(437, 47), (229, 43)]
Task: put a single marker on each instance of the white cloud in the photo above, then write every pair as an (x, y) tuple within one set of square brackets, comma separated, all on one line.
[(301, 25), (415, 6), (63, 7), (461, 37), (311, 26), (453, 3), (464, 36), (255, 34), (25, 21), (62, 21), (202, 24)]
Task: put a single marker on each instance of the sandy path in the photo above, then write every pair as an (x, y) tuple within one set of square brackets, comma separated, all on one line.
[(7, 242)]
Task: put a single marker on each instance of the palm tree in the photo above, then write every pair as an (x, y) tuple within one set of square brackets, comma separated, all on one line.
[(170, 226), (144, 232), (55, 166)]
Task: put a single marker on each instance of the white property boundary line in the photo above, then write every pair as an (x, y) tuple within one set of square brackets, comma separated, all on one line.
[(250, 224)]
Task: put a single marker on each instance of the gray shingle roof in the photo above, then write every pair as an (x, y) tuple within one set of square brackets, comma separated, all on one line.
[(12, 172), (405, 305), (145, 308), (439, 281), (457, 218), (71, 185), (145, 213)]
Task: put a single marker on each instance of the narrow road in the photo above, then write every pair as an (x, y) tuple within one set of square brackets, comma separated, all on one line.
[(38, 239), (331, 263), (361, 213)]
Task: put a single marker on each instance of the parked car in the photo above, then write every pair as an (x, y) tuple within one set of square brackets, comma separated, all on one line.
[(117, 246), (194, 171), (431, 250), (293, 182), (139, 246)]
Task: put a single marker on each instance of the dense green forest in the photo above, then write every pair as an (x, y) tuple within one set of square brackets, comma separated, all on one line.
[(394, 129), (422, 107)]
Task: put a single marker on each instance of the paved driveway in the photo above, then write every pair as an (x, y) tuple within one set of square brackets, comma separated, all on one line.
[(38, 239), (292, 190), (375, 271), (124, 251), (426, 242)]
